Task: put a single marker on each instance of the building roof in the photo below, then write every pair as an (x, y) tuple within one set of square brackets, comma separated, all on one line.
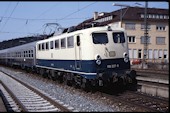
[(129, 14)]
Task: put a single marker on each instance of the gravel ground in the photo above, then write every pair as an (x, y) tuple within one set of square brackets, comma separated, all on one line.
[(79, 100)]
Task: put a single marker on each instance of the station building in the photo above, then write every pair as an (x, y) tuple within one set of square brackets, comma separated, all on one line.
[(132, 21)]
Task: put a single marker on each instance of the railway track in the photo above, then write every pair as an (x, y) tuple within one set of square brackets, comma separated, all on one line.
[(27, 98), (141, 102)]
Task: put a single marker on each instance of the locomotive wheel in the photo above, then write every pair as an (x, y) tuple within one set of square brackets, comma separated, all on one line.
[(43, 73), (85, 85), (54, 78), (65, 79)]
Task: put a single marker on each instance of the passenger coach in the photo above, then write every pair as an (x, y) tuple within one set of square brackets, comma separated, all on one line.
[(20, 56)]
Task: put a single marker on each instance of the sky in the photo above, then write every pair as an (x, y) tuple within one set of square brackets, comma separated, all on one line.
[(28, 18)]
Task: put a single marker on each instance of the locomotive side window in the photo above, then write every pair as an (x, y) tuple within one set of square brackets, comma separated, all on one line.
[(78, 40), (51, 45), (57, 44), (39, 47), (118, 37), (100, 38), (63, 43), (70, 42), (42, 46), (47, 45)]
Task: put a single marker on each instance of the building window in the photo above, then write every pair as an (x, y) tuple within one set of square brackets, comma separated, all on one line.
[(160, 53), (143, 40), (130, 26), (104, 19), (142, 15), (161, 16), (166, 17), (130, 53), (165, 54), (139, 53), (157, 16), (134, 53), (160, 27), (160, 40), (150, 54), (143, 26), (155, 54), (150, 16), (131, 39)]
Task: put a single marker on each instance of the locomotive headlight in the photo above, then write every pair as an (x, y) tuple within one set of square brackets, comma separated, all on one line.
[(126, 58), (98, 59)]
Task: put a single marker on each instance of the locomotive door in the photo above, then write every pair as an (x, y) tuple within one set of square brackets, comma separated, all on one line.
[(78, 53)]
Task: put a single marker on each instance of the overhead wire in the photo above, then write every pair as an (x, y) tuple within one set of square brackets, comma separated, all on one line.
[(77, 11), (5, 12), (27, 20), (9, 16), (72, 13), (34, 19)]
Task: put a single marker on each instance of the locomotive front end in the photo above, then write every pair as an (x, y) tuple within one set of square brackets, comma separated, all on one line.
[(111, 58)]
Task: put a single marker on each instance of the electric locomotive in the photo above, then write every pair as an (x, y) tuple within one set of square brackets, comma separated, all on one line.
[(96, 56)]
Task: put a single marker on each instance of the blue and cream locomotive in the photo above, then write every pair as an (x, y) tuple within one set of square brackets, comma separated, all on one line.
[(95, 56)]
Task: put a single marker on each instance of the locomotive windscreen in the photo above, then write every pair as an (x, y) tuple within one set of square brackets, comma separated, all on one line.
[(118, 37), (100, 38)]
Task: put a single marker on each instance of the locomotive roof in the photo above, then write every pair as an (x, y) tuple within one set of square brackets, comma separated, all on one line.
[(92, 29)]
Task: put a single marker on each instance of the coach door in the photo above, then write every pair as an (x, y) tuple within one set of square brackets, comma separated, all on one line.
[(78, 52)]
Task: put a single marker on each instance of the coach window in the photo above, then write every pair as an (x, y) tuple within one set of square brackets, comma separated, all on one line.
[(47, 45), (26, 53), (78, 40), (57, 44), (63, 43), (51, 45), (99, 38), (31, 53), (70, 42)]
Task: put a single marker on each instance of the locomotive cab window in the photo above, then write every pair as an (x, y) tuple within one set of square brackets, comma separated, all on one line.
[(100, 38), (118, 37)]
